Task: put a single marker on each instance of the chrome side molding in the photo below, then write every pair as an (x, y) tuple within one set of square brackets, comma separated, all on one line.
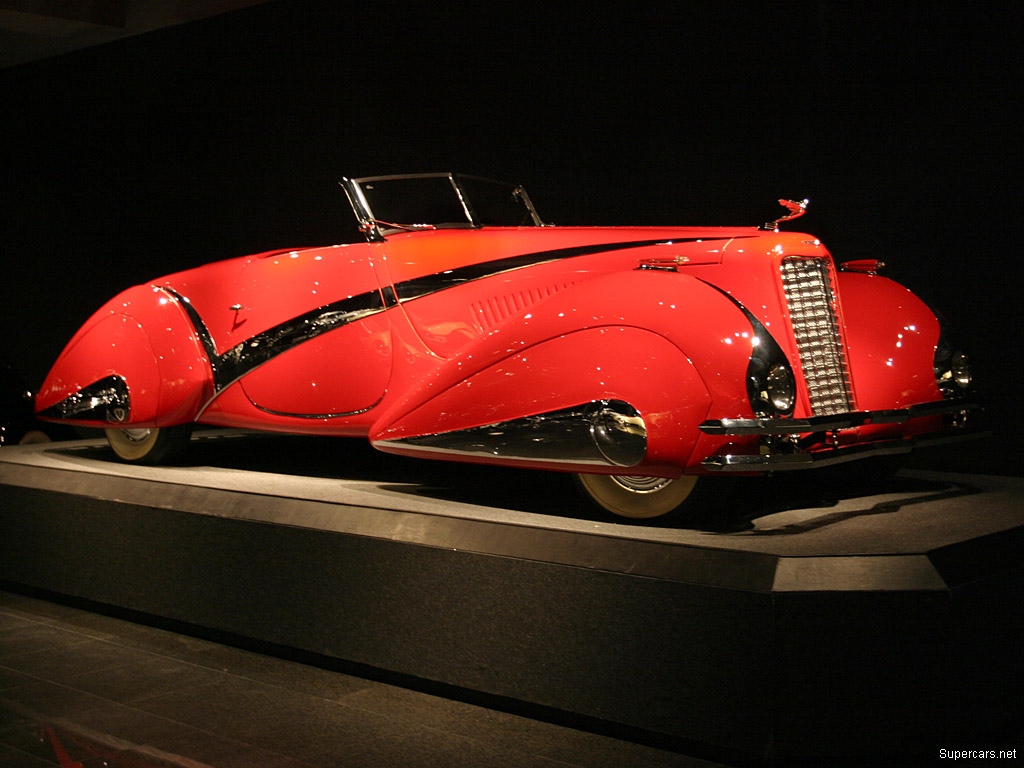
[(103, 400), (601, 433)]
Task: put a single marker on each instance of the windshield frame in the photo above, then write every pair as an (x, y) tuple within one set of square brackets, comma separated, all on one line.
[(377, 229)]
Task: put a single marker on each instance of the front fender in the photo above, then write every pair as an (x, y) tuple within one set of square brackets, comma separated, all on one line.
[(548, 395), (667, 344), (704, 326), (891, 337), (140, 344)]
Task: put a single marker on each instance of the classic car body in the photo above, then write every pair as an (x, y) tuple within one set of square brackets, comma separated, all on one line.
[(641, 358)]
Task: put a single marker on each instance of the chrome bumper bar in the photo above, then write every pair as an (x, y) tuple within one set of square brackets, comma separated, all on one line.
[(782, 426), (776, 462), (821, 457)]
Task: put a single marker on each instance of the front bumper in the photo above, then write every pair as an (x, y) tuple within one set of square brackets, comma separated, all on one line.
[(826, 454)]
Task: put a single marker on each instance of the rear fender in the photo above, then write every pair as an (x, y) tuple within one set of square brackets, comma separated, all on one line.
[(136, 361)]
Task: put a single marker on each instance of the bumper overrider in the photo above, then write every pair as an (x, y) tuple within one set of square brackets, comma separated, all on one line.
[(778, 454)]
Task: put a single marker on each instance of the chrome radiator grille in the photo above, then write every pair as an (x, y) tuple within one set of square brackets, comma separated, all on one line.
[(810, 299)]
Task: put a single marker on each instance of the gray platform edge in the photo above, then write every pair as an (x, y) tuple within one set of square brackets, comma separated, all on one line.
[(753, 653)]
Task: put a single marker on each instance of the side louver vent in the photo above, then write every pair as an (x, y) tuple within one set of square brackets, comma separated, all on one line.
[(811, 303), (496, 310)]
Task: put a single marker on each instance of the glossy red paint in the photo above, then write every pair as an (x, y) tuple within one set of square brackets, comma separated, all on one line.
[(424, 340), (143, 336), (891, 352)]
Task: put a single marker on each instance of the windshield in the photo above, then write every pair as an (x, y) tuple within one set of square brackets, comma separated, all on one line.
[(388, 204)]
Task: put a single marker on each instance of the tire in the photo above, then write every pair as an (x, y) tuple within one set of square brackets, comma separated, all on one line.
[(149, 445), (34, 437), (642, 498)]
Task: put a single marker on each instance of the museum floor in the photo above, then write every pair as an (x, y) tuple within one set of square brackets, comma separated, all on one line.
[(111, 692)]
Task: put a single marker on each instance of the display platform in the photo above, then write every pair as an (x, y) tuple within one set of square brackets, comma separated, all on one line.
[(812, 618)]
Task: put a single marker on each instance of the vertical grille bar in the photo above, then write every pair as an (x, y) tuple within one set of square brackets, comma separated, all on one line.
[(809, 295)]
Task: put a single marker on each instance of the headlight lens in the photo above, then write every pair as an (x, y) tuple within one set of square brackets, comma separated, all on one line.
[(960, 370), (952, 371), (780, 387), (952, 366), (770, 382)]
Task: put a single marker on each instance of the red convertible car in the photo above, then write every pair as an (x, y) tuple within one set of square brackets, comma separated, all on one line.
[(643, 359)]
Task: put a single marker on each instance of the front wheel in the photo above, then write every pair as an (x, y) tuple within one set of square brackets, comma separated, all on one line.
[(149, 445), (640, 497)]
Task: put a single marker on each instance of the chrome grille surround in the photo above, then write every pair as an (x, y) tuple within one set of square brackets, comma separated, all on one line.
[(811, 301)]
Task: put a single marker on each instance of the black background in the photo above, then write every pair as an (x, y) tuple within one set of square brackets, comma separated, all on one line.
[(226, 136)]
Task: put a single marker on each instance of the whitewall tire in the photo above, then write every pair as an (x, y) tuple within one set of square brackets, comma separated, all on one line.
[(149, 445), (639, 497)]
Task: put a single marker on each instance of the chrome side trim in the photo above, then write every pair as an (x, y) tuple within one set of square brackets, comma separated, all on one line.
[(607, 433), (319, 415), (783, 426), (248, 355), (252, 353), (197, 323), (428, 284), (245, 357), (775, 462), (103, 400)]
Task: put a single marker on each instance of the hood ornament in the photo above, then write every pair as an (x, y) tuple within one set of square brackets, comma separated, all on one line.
[(796, 210)]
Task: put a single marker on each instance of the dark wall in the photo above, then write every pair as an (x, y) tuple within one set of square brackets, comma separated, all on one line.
[(227, 136)]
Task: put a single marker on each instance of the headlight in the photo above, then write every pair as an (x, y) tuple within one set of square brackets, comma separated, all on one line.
[(771, 386), (955, 376), (961, 370), (780, 386), (952, 369)]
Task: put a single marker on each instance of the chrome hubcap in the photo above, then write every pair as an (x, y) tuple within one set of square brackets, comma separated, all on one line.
[(137, 435), (641, 483)]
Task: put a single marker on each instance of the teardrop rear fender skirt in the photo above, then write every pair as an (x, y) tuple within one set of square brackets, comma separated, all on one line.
[(143, 339), (80, 386)]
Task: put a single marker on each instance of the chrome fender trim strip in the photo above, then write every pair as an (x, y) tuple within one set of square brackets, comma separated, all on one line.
[(249, 355), (103, 400), (601, 433)]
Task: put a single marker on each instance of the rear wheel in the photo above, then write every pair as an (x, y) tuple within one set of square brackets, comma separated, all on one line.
[(640, 497), (34, 437), (149, 445)]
